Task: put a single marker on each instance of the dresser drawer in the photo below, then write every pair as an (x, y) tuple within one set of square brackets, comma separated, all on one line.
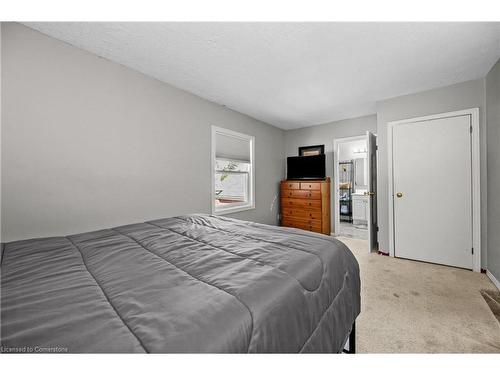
[(290, 185), (304, 194), (312, 225), (300, 203), (310, 186), (302, 214)]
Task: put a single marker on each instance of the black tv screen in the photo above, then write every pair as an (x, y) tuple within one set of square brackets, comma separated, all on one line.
[(305, 167)]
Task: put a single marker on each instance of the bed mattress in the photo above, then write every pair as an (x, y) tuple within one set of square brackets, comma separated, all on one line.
[(189, 284)]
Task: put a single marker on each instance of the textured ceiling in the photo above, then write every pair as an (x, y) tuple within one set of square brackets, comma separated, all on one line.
[(294, 74)]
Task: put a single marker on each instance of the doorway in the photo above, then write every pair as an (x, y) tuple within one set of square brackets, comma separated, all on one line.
[(434, 201), (355, 187)]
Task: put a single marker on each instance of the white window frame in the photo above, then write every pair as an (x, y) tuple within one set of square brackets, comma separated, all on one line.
[(251, 175)]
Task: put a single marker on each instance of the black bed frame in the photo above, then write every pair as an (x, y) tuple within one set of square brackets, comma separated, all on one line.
[(352, 340)]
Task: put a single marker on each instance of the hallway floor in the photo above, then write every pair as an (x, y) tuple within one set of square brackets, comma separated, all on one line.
[(416, 307), (353, 230)]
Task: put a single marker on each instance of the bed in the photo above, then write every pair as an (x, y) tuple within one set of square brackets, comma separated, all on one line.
[(186, 284)]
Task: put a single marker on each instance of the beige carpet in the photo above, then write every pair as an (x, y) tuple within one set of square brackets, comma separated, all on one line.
[(492, 298), (415, 307)]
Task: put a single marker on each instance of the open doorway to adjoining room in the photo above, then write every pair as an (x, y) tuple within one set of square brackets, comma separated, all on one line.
[(355, 188)]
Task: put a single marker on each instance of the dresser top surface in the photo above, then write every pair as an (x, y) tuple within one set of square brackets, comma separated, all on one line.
[(327, 179)]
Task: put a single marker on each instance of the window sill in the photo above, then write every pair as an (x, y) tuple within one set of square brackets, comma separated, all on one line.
[(230, 210)]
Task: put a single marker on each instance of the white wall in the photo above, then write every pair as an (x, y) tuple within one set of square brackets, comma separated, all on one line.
[(493, 136), (325, 134), (347, 150), (88, 143), (464, 95)]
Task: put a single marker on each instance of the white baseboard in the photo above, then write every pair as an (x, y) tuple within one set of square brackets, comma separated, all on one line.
[(493, 279)]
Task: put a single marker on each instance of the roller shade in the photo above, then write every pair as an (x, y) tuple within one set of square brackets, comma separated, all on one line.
[(229, 147)]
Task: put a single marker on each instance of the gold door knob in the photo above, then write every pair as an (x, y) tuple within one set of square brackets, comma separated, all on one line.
[(399, 195)]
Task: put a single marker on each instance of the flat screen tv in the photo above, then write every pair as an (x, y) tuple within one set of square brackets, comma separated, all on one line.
[(305, 167)]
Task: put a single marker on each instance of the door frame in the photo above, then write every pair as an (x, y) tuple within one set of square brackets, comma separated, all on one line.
[(476, 178), (372, 149), (336, 209)]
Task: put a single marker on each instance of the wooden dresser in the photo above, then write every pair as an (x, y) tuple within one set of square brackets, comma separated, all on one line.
[(305, 204)]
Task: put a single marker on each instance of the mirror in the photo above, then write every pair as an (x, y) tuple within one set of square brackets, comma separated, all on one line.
[(360, 173)]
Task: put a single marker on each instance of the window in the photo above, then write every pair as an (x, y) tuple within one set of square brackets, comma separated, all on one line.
[(232, 171)]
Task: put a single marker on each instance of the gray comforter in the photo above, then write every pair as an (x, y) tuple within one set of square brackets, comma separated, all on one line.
[(194, 283)]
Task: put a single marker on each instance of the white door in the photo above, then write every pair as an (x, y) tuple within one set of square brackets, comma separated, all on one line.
[(371, 209), (432, 178)]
